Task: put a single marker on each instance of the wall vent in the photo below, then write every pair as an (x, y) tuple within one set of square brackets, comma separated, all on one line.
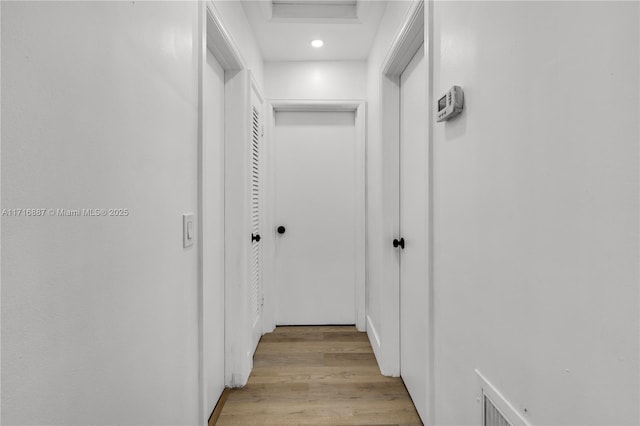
[(495, 410), (493, 416)]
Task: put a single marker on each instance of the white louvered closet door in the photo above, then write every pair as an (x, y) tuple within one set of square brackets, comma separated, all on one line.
[(256, 299)]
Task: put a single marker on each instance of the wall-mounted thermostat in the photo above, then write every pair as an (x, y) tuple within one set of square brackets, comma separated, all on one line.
[(450, 104)]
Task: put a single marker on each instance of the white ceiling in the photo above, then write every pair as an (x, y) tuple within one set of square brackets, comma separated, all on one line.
[(289, 39)]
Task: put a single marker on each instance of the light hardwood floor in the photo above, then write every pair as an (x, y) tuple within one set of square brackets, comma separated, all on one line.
[(324, 375)]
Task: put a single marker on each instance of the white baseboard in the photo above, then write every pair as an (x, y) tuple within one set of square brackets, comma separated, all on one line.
[(374, 339)]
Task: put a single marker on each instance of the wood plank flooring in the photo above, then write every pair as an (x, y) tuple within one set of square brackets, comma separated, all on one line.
[(318, 375)]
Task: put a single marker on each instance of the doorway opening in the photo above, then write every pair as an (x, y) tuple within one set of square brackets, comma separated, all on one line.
[(406, 132), (320, 208)]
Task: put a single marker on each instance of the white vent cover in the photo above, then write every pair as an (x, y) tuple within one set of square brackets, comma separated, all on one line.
[(495, 410), (492, 416)]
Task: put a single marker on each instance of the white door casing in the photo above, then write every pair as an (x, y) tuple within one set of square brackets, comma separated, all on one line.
[(416, 30), (328, 242), (216, 41), (315, 202), (220, 61), (213, 232)]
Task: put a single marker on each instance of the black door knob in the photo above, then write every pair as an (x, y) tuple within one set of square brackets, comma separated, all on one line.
[(281, 229), (255, 237), (399, 243)]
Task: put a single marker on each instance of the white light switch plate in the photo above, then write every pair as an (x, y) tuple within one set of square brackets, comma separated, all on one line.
[(188, 230)]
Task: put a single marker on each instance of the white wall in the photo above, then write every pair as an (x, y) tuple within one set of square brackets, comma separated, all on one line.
[(316, 80), (536, 257), (99, 315), (536, 210), (377, 242), (100, 106)]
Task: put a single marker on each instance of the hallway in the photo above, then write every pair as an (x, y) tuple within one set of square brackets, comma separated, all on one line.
[(318, 375), (192, 190)]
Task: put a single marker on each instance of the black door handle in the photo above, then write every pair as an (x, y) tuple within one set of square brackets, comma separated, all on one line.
[(255, 237), (399, 242), (281, 229)]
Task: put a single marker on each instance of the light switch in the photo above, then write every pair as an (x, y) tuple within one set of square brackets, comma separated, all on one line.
[(188, 227)]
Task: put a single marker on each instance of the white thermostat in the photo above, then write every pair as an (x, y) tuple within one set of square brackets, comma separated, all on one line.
[(450, 104)]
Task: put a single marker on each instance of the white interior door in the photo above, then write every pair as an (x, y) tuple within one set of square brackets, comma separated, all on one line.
[(413, 229), (315, 195), (213, 232), (255, 267)]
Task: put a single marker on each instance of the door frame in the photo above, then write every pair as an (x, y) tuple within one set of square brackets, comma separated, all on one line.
[(269, 273), (214, 36), (417, 29)]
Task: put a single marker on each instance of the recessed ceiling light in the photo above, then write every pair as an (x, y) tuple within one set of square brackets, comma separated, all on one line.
[(317, 43)]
